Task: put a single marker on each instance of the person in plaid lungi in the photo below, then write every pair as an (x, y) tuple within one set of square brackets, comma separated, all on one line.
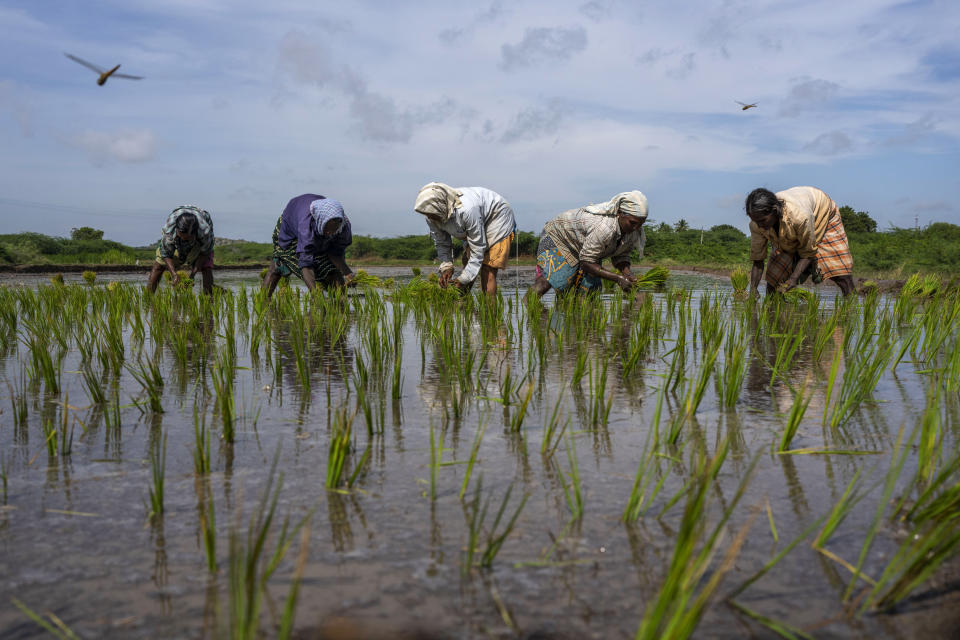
[(803, 225), (186, 240)]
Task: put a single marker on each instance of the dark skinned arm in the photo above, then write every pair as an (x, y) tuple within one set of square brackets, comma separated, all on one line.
[(340, 263), (596, 270), (791, 282), (309, 278), (755, 274), (173, 270)]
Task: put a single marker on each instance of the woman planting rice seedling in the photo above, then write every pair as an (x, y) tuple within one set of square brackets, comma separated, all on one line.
[(186, 241), (574, 244), (309, 241), (803, 225), (478, 216)]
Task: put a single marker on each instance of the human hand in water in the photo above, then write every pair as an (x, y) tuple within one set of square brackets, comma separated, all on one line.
[(445, 276)]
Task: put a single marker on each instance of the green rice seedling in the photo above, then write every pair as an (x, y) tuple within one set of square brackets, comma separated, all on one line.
[(693, 393), (55, 626), (89, 277), (655, 277), (734, 364), (898, 458), (579, 367), (364, 279), (94, 385), (860, 378), (222, 376), (799, 407), (339, 449), (573, 493), (41, 366), (201, 442), (552, 431), (682, 599), (639, 502), (786, 351), (739, 279), (933, 539), (18, 402), (149, 376), (779, 627), (517, 420), (472, 460), (825, 330), (931, 442), (494, 536), (251, 562), (208, 525), (158, 469), (599, 406), (798, 295)]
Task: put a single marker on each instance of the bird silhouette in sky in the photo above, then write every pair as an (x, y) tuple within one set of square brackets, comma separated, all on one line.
[(104, 73), (744, 106)]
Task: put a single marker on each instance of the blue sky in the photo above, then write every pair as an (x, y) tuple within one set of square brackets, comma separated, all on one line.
[(554, 105)]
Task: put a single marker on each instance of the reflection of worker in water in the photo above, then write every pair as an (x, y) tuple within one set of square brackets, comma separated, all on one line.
[(803, 225), (186, 241), (574, 244), (481, 218), (310, 241)]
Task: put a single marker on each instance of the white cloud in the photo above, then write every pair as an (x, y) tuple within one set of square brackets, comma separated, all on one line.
[(120, 146)]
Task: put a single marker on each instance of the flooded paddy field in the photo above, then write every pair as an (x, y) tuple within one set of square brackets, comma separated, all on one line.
[(401, 463)]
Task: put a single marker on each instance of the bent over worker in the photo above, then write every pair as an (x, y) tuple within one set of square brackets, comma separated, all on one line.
[(310, 241), (186, 240), (478, 216), (803, 224), (574, 244)]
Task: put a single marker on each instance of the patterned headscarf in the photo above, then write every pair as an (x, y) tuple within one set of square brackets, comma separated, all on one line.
[(437, 200), (631, 203), (325, 210)]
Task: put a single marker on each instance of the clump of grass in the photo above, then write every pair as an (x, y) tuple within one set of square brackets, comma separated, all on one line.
[(89, 277), (800, 403), (364, 279), (798, 294), (682, 599), (493, 536), (655, 277), (739, 279)]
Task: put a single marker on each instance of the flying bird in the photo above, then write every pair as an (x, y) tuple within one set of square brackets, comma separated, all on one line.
[(104, 73), (744, 105)]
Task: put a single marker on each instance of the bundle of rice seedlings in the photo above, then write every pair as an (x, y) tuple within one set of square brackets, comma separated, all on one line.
[(263, 273), (57, 279), (654, 278), (89, 277), (920, 287), (797, 294), (364, 279), (739, 278), (186, 282)]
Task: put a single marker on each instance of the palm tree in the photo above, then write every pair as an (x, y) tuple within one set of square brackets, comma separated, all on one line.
[(682, 225)]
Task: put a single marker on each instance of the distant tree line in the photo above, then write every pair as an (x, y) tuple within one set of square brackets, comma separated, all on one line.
[(933, 248)]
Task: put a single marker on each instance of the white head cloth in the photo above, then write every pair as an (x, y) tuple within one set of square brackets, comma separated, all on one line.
[(631, 203), (437, 200)]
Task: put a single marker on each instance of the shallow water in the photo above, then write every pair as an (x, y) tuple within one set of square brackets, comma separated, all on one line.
[(75, 539)]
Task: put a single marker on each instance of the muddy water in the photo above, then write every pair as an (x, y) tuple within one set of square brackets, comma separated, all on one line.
[(385, 556)]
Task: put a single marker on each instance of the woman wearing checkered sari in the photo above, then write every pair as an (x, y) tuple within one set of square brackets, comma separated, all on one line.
[(803, 225), (310, 241)]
